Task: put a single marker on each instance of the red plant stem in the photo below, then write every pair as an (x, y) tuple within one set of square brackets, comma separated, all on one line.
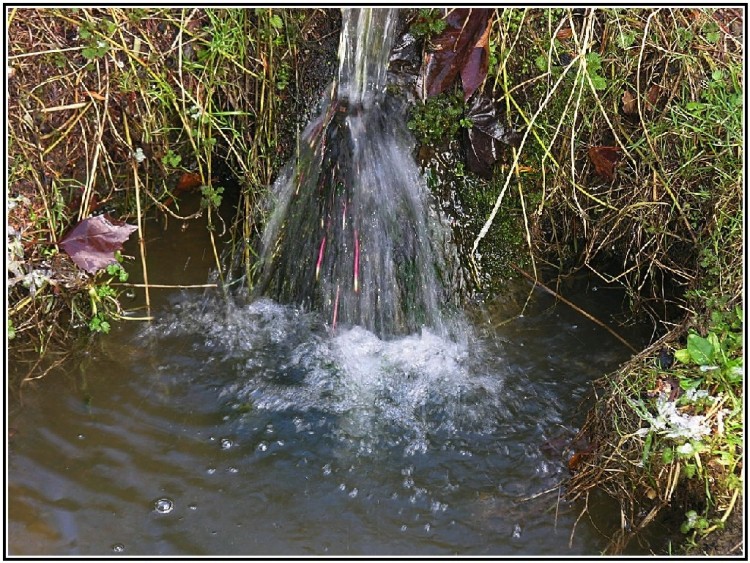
[(320, 258), (356, 261), (336, 308)]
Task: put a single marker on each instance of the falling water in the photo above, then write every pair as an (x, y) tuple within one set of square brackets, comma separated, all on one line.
[(352, 234)]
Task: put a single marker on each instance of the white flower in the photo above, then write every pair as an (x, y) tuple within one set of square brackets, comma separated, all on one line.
[(196, 111)]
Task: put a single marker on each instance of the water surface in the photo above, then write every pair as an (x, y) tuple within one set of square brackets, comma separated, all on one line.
[(231, 427)]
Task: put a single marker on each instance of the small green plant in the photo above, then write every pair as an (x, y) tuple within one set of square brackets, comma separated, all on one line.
[(99, 323), (439, 119), (694, 522), (594, 68), (429, 22), (103, 298), (96, 47), (171, 159), (211, 196)]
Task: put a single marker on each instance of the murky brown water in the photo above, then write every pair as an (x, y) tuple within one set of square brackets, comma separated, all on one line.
[(228, 427)]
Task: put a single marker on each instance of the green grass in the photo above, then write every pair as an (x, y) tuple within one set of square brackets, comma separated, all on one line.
[(172, 92)]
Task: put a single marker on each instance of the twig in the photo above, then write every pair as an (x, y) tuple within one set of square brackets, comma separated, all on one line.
[(574, 307), (514, 165), (166, 286), (141, 237)]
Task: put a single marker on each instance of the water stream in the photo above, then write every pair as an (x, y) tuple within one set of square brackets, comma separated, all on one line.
[(353, 234), (236, 426)]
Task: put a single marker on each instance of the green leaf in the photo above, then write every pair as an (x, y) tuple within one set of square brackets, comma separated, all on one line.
[(733, 371), (593, 62), (647, 448), (713, 37), (701, 350), (599, 82), (689, 470), (682, 356), (625, 40), (276, 21)]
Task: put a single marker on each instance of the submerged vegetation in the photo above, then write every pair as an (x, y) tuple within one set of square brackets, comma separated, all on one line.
[(607, 141)]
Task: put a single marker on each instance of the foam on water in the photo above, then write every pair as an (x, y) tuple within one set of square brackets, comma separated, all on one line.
[(397, 392)]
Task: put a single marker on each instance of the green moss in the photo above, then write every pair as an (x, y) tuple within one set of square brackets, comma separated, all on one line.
[(438, 120)]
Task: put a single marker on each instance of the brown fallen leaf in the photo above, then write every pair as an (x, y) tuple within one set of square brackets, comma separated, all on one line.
[(653, 95), (605, 160), (188, 182), (629, 104), (565, 33), (95, 95), (92, 242), (462, 48)]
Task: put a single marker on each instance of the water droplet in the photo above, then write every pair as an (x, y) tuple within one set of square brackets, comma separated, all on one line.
[(130, 293), (211, 470), (403, 527), (233, 470), (427, 527), (342, 487), (262, 447), (118, 548), (327, 469), (193, 506), (226, 443), (164, 505), (353, 493), (81, 437), (517, 531)]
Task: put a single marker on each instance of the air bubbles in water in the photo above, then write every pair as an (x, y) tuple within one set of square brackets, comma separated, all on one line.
[(226, 443), (163, 505), (118, 548)]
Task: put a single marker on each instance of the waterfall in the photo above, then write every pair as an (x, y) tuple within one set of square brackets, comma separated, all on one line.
[(364, 49), (353, 233)]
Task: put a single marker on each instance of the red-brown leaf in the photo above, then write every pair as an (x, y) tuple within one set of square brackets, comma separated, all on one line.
[(93, 242), (462, 48), (653, 94), (604, 160), (187, 182), (565, 33)]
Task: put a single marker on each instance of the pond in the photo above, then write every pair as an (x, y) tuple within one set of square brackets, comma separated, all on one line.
[(236, 427)]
